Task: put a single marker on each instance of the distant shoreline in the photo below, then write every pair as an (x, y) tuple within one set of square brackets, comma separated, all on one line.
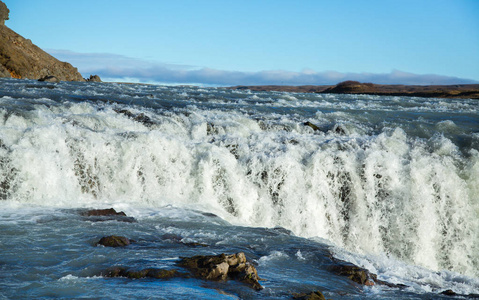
[(456, 91)]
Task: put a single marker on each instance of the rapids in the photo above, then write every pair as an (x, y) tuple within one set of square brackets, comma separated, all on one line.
[(376, 178)]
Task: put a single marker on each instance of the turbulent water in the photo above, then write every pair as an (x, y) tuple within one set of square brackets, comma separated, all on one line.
[(388, 183)]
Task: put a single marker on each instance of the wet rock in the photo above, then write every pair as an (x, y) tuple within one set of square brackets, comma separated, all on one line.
[(222, 267), (454, 294), (109, 214), (142, 273), (114, 241), (233, 149), (360, 275), (316, 295), (103, 212), (355, 273), (114, 272), (338, 129), (246, 273), (163, 274), (94, 78), (49, 79), (448, 293), (142, 118), (314, 127)]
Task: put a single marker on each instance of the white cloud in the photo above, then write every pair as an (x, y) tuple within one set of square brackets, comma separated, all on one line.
[(115, 67)]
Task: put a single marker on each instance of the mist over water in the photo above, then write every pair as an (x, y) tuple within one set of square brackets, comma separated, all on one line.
[(385, 176)]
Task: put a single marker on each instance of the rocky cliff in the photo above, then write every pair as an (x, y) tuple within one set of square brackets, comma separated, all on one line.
[(20, 58)]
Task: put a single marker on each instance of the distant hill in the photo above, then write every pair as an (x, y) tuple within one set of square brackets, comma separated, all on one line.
[(466, 91)]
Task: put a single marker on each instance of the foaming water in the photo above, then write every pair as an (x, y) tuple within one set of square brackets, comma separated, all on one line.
[(375, 176)]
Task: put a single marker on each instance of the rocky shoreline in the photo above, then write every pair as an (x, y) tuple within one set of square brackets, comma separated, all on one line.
[(462, 91)]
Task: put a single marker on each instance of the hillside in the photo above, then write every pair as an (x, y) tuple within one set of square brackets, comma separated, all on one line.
[(20, 58)]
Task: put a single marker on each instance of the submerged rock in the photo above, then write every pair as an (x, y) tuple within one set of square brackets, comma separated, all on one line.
[(142, 273), (312, 126), (339, 129), (114, 241), (222, 267), (316, 295), (103, 212), (141, 118), (451, 293), (108, 214), (179, 239)]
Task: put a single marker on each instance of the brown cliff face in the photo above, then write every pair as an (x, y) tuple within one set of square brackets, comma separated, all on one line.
[(4, 11), (20, 58)]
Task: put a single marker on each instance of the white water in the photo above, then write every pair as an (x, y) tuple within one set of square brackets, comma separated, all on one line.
[(387, 193), (413, 199)]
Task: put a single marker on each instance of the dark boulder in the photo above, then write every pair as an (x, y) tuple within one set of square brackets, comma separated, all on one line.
[(114, 241), (222, 267), (103, 212), (312, 126), (109, 214), (355, 273), (4, 11)]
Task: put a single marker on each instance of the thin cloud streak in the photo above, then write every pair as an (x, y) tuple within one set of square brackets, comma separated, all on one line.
[(121, 68)]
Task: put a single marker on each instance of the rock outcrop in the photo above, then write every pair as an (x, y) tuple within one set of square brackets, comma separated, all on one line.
[(20, 58), (94, 78), (4, 11), (355, 273), (222, 267)]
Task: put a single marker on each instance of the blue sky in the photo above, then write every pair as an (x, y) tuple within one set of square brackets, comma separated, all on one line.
[(258, 42)]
